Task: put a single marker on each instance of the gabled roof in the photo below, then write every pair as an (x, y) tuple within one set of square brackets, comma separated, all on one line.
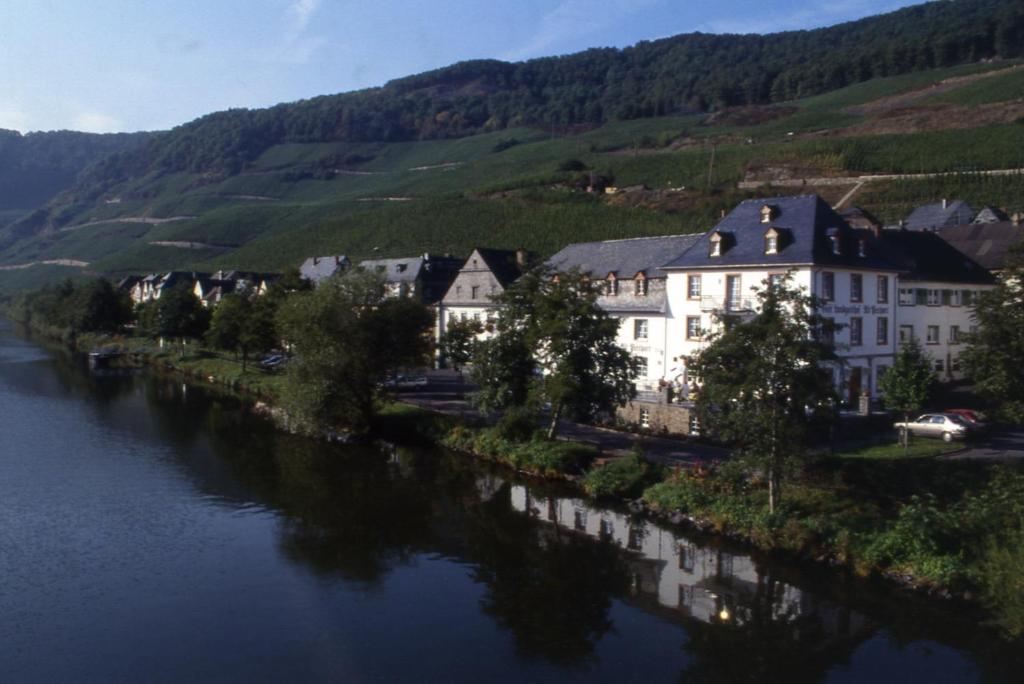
[(925, 255), (939, 214), (625, 258), (402, 270), (990, 214), (809, 225), (316, 269), (503, 263), (986, 243)]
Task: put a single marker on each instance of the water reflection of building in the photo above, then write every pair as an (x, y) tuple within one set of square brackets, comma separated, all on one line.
[(708, 584)]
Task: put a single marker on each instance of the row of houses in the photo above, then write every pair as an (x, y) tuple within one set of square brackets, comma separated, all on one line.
[(209, 288), (882, 286)]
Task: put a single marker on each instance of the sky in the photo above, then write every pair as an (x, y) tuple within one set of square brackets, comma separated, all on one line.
[(126, 65)]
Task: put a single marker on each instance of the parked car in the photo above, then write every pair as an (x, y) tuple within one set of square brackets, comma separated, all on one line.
[(975, 419), (272, 361), (405, 381), (947, 426)]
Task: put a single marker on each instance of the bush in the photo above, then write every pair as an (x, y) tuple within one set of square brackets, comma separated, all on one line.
[(622, 477), (537, 455)]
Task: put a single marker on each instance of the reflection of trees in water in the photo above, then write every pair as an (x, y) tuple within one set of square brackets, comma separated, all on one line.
[(551, 589)]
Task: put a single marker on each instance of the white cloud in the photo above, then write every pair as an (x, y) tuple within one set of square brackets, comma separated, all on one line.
[(574, 19), (95, 122), (295, 46)]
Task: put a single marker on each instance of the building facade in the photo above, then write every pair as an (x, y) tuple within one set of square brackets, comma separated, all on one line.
[(483, 276)]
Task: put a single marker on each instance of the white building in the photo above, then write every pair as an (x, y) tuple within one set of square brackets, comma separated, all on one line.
[(484, 275), (634, 292)]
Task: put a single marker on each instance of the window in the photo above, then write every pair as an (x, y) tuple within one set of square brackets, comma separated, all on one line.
[(828, 286), (956, 298), (933, 334), (641, 367), (862, 248), (955, 364), (645, 418), (611, 286), (771, 244), (694, 425), (856, 331), (882, 331), (828, 331), (693, 327), (458, 290), (579, 519), (906, 333), (775, 279), (693, 287), (968, 297), (716, 245), (883, 289), (954, 334), (733, 292), (475, 292), (640, 329), (836, 247), (906, 296), (939, 365), (640, 287), (687, 556), (856, 287), (934, 297)]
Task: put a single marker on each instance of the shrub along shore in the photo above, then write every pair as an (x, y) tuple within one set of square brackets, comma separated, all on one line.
[(951, 529)]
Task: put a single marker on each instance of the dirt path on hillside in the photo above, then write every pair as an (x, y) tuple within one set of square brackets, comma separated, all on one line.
[(128, 219), (75, 263), (186, 244), (902, 100), (752, 184)]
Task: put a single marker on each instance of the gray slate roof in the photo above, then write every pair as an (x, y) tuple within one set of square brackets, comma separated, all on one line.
[(805, 224), (986, 243), (402, 270), (935, 215), (924, 255), (625, 258), (990, 215), (316, 269)]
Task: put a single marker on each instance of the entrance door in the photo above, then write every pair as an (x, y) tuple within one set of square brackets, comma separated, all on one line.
[(854, 386)]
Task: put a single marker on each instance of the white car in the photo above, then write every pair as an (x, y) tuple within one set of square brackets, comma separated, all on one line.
[(944, 425)]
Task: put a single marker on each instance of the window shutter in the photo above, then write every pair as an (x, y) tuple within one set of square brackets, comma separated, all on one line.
[(947, 296), (921, 296)]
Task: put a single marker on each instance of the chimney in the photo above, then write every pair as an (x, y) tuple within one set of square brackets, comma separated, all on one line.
[(337, 260), (521, 257), (721, 214), (945, 203)]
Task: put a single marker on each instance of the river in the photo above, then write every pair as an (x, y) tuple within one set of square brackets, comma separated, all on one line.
[(154, 532)]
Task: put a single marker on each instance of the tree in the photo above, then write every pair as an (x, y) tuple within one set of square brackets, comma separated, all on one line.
[(765, 382), (99, 307), (177, 314), (994, 357), (906, 386), (554, 345), (458, 340), (347, 338), (243, 325)]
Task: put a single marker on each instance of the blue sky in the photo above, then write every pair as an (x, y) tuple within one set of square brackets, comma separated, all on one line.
[(125, 65)]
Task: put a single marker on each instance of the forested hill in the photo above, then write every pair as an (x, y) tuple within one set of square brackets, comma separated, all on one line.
[(37, 166), (691, 72)]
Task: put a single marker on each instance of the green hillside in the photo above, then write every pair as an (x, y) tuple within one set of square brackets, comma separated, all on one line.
[(524, 186)]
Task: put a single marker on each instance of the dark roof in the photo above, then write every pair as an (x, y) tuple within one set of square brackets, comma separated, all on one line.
[(939, 214), (859, 217), (990, 215), (625, 258), (986, 243), (805, 224), (503, 263), (925, 255)]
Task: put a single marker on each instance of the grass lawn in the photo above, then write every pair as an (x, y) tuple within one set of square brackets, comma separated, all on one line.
[(919, 448)]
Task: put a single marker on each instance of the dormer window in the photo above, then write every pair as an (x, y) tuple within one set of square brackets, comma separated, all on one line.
[(834, 241), (862, 248), (716, 244), (611, 285), (640, 285), (768, 213), (771, 241)]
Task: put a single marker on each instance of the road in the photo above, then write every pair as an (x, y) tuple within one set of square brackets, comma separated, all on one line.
[(444, 393), (1004, 444)]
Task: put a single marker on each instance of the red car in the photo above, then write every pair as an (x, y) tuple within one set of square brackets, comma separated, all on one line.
[(975, 418)]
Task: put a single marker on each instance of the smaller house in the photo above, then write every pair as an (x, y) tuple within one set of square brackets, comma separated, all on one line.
[(939, 215), (425, 278), (484, 275), (150, 287), (988, 244), (858, 217), (318, 269)]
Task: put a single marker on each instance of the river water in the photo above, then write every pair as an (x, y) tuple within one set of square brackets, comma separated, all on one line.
[(153, 532)]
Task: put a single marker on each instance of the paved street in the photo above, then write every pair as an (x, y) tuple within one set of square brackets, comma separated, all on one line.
[(1004, 444), (444, 391)]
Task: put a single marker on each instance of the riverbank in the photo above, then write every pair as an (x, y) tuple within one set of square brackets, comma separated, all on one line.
[(919, 523)]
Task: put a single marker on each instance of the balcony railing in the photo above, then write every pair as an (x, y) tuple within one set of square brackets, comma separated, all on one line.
[(728, 304)]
